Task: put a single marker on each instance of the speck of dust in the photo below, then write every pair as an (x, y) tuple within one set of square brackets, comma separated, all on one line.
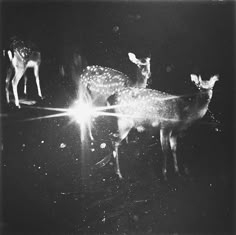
[(42, 141), (135, 218), (62, 145), (103, 145)]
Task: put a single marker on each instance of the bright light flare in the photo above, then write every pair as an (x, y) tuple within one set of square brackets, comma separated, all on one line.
[(81, 112)]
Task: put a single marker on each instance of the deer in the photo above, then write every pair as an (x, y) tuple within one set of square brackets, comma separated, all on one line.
[(97, 83), (21, 58), (167, 114)]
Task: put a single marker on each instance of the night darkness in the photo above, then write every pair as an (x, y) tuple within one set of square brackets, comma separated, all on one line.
[(49, 183)]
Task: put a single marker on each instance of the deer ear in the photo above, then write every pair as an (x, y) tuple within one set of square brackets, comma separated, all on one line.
[(194, 78), (10, 55), (132, 57), (215, 77)]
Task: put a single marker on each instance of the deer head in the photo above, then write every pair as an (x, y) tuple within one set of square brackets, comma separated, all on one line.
[(204, 85), (143, 64)]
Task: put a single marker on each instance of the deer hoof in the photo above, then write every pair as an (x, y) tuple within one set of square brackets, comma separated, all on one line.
[(178, 174), (186, 171), (120, 176), (164, 173)]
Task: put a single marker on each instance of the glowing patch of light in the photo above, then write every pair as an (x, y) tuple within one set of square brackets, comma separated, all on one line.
[(81, 112)]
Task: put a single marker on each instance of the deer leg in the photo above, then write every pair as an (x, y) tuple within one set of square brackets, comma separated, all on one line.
[(124, 126), (25, 83), (89, 128), (8, 78), (90, 132), (15, 81), (173, 145), (116, 156), (36, 74), (164, 138)]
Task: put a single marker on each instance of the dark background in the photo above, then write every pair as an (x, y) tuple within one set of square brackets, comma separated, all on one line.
[(48, 188)]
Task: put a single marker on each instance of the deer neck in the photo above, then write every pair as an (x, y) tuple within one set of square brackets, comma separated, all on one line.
[(141, 79), (18, 61), (202, 102)]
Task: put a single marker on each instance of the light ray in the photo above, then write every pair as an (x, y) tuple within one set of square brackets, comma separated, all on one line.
[(49, 108), (115, 115), (47, 116)]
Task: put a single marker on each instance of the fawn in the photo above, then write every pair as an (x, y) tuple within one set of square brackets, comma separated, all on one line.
[(21, 58), (142, 108)]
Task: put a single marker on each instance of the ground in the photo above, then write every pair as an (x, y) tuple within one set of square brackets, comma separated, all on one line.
[(50, 183)]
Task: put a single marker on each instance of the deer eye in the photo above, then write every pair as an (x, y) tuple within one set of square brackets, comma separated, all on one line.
[(143, 61)]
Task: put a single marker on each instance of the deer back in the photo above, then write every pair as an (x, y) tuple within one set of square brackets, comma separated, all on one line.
[(153, 108), (103, 81)]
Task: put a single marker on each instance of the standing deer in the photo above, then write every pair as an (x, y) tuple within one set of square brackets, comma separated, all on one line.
[(145, 108), (21, 58), (97, 83)]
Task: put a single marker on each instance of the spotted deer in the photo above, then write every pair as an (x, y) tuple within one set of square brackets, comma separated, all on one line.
[(97, 83), (21, 58), (169, 114)]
